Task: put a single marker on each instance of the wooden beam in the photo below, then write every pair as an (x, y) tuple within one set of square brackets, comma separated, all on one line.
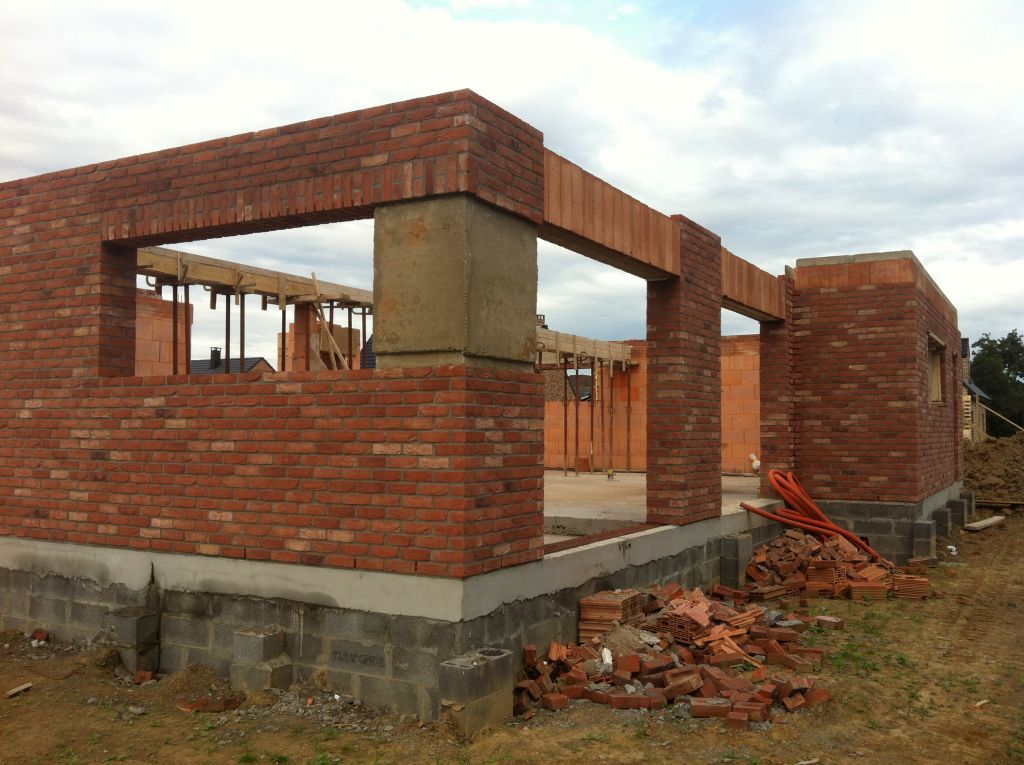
[(552, 346), (177, 267)]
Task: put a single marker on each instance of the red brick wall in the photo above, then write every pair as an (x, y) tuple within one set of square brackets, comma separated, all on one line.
[(940, 425), (427, 471), (334, 168), (433, 473), (684, 401), (864, 428)]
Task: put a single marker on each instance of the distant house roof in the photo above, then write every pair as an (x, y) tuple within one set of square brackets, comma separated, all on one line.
[(205, 367), (976, 390)]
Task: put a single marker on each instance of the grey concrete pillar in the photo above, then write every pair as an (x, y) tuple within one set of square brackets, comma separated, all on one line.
[(454, 282), (736, 552)]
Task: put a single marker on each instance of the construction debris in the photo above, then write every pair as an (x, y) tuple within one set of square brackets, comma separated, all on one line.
[(797, 562), (668, 645)]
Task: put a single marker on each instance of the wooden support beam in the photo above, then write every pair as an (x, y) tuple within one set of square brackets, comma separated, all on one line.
[(174, 266), (551, 345)]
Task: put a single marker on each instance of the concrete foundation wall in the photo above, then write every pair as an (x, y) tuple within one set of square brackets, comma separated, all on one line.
[(387, 659)]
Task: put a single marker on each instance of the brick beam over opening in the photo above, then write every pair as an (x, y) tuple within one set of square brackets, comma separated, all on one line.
[(324, 170), (589, 216), (748, 290)]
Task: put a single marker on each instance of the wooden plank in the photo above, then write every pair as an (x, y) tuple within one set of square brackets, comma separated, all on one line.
[(16, 690), (184, 267), (995, 520)]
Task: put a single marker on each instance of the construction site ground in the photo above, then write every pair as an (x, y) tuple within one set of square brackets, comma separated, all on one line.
[(933, 681)]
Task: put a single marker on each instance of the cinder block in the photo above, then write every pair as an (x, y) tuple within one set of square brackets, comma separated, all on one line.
[(275, 673), (924, 539), (402, 697), (415, 665), (957, 513), (942, 518), (257, 644), (88, 617), (185, 630), (350, 656), (53, 586), (147, 658), (477, 674), (47, 611), (134, 626)]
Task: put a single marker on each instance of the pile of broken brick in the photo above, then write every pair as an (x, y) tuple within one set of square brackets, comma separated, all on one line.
[(689, 648), (800, 564)]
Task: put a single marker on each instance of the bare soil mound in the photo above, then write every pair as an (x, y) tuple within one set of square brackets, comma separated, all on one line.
[(994, 469)]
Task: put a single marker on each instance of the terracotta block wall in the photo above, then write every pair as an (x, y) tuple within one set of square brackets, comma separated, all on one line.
[(741, 404), (414, 471), (740, 412), (864, 428), (154, 334), (619, 415)]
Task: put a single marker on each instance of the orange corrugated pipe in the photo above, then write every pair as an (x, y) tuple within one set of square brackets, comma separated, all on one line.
[(802, 512)]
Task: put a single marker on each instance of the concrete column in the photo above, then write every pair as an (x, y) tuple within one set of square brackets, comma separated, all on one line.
[(777, 441), (684, 384), (454, 282)]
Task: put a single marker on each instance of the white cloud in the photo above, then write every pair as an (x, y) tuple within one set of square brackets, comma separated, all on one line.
[(791, 129)]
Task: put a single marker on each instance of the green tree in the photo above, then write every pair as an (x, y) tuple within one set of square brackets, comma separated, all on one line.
[(998, 369)]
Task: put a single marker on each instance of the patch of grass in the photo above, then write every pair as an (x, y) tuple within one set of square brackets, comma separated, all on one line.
[(280, 759), (246, 757), (854, 657)]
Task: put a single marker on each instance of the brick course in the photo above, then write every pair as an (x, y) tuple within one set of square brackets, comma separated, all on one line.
[(427, 471)]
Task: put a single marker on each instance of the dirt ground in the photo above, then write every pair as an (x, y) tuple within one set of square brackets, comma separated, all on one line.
[(934, 681), (994, 468)]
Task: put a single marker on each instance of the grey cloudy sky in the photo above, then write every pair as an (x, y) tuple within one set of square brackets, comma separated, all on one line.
[(792, 129)]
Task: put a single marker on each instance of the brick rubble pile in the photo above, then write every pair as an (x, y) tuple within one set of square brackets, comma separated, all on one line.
[(681, 647)]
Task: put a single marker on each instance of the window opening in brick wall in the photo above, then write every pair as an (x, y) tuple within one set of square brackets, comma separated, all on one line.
[(936, 369), (214, 331), (741, 394)]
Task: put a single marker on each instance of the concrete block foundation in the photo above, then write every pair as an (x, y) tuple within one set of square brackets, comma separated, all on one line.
[(902, 530), (458, 661)]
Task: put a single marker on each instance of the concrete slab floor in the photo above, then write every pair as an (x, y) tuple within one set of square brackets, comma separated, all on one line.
[(591, 503)]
